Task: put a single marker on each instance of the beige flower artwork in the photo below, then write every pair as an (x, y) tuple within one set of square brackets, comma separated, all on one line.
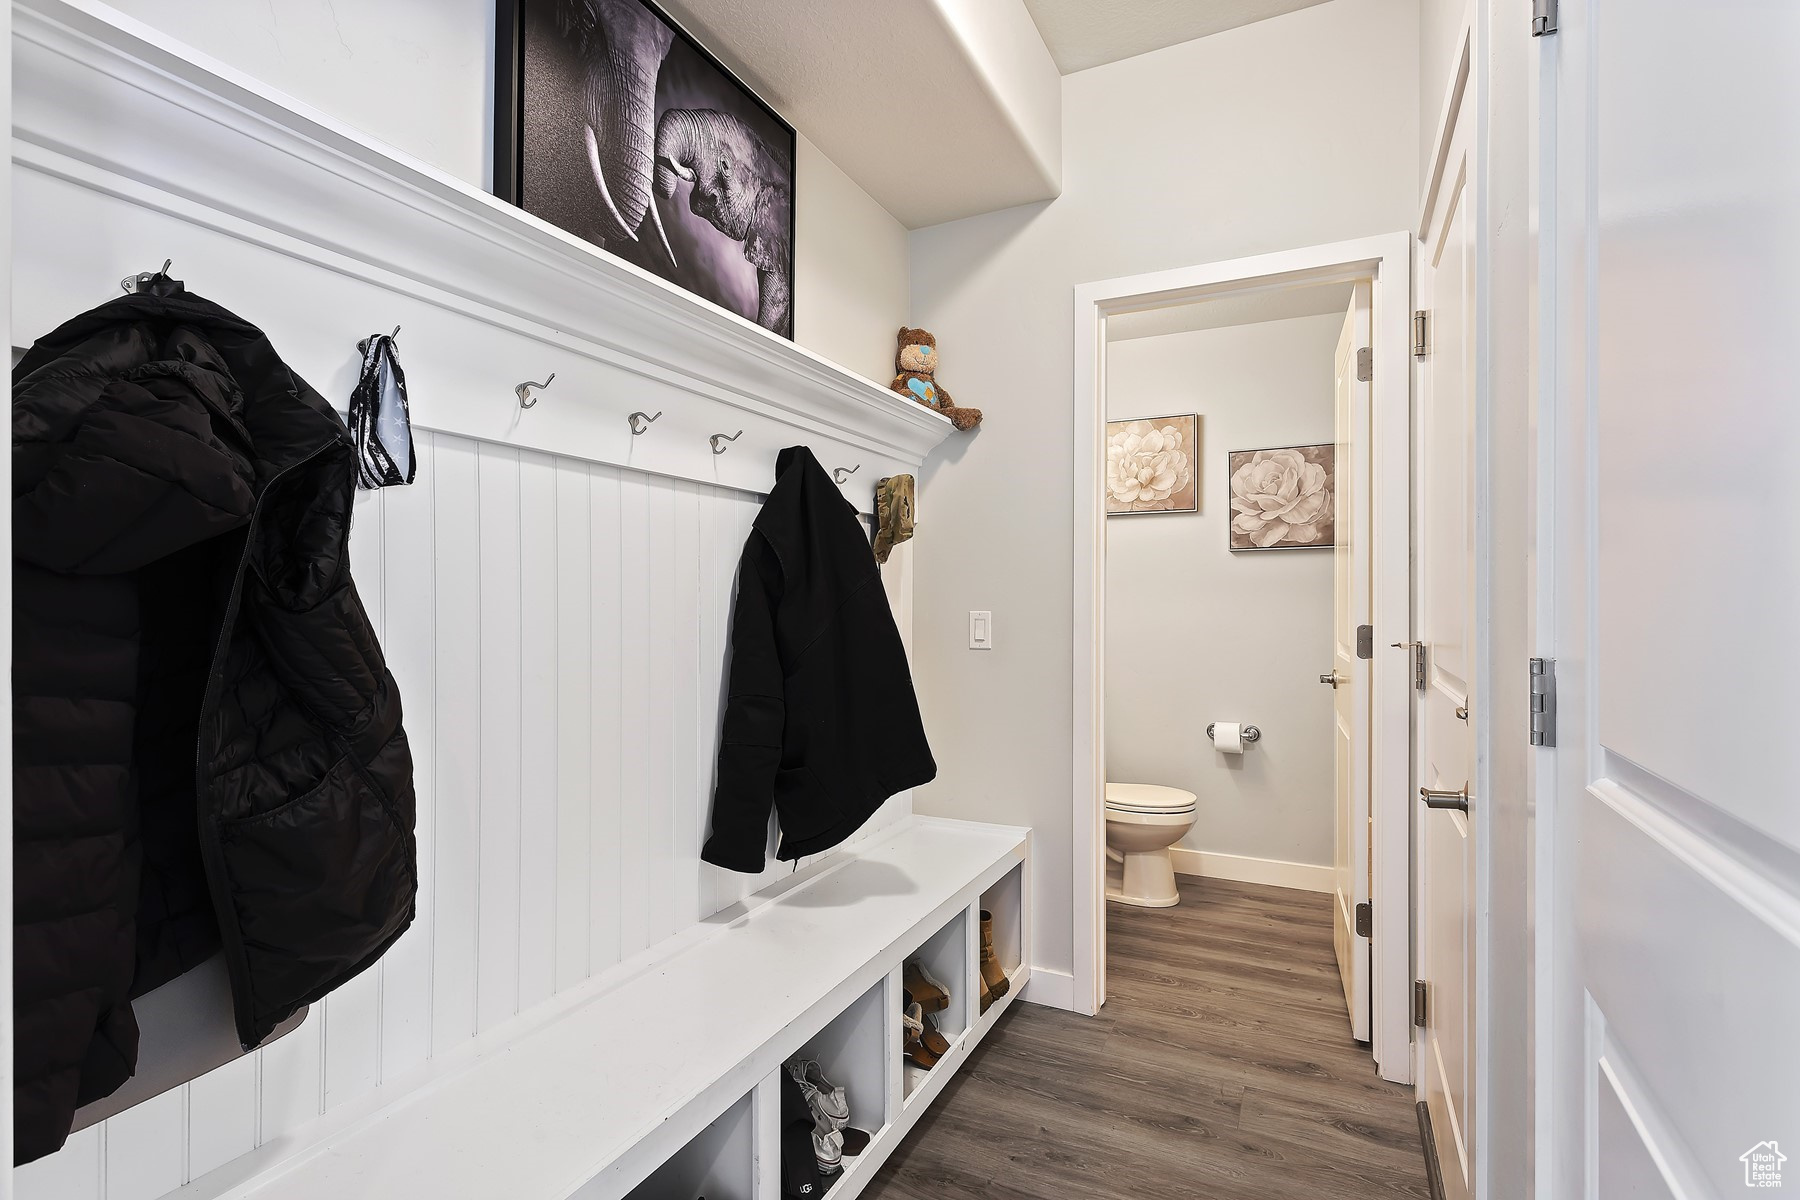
[(1153, 465), (1284, 499)]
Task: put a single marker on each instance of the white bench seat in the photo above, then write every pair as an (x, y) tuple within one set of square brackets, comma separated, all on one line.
[(595, 1100)]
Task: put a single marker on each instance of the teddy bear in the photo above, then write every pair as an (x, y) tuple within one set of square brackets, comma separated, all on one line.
[(916, 362)]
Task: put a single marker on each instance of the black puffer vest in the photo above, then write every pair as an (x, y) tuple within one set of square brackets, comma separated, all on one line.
[(207, 743)]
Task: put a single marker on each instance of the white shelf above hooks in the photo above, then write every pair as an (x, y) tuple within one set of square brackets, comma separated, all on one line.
[(128, 145)]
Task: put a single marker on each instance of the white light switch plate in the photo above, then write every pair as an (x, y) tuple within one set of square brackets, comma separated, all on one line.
[(981, 629)]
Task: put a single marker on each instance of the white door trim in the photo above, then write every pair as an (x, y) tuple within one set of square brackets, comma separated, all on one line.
[(6, 786), (1387, 260)]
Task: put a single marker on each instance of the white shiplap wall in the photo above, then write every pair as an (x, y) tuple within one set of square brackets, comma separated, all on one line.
[(558, 629)]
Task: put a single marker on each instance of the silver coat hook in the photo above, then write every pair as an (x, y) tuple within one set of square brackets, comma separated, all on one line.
[(131, 282), (641, 421), (717, 438), (392, 336), (523, 391), (839, 474)]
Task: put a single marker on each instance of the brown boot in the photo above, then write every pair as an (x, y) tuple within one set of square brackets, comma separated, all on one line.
[(994, 983)]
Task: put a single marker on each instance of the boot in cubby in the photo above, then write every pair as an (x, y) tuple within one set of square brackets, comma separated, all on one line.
[(994, 983)]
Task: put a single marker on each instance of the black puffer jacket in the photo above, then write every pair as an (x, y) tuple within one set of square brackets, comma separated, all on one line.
[(821, 721), (207, 744)]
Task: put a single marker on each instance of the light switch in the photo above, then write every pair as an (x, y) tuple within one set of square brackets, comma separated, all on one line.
[(981, 630)]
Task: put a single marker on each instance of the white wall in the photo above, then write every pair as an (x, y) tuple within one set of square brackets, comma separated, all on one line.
[(1290, 132), (1440, 34), (851, 287), (1195, 633), (419, 75)]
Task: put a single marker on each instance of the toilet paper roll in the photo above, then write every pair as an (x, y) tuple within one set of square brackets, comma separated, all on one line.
[(1228, 737)]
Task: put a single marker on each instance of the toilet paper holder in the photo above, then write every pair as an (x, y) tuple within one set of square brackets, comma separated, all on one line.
[(1251, 733)]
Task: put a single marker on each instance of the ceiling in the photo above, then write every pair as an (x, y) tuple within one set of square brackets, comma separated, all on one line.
[(1087, 33), (942, 109), (939, 109), (1311, 300)]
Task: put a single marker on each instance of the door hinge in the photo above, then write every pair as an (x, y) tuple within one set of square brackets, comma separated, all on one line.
[(1365, 364), (1421, 330), (1543, 17), (1543, 702), (1365, 641), (1421, 1009), (1417, 650), (1365, 919)]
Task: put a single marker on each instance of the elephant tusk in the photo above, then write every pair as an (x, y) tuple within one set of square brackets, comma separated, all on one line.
[(661, 233), (593, 153)]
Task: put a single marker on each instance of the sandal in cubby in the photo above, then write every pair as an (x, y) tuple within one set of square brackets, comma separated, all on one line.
[(916, 1052), (828, 1102), (931, 995)]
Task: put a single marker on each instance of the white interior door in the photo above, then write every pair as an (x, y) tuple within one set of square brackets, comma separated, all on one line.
[(1671, 829), (1350, 675), (1444, 604)]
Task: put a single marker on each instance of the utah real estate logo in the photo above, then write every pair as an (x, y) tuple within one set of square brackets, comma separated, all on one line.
[(1762, 1165)]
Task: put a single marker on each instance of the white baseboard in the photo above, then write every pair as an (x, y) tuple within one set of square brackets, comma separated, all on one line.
[(1052, 989), (1272, 871)]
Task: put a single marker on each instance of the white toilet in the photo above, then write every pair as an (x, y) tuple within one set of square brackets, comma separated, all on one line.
[(1142, 821)]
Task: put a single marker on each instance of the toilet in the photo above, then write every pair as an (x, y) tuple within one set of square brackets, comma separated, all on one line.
[(1142, 821)]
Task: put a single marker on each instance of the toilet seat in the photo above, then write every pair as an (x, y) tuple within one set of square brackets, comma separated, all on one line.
[(1149, 799)]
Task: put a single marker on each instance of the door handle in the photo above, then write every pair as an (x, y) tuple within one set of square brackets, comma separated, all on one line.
[(1332, 680), (1433, 798)]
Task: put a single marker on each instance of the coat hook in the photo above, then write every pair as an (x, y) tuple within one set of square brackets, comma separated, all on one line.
[(840, 474), (716, 438), (523, 391), (394, 335), (641, 421), (131, 283)]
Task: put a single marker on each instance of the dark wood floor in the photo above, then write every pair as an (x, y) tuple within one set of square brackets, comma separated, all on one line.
[(1221, 1067)]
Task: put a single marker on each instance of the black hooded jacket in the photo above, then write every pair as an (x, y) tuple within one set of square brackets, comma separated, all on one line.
[(207, 743), (820, 718)]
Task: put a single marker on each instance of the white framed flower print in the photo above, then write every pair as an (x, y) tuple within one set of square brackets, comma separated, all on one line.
[(1284, 498), (1153, 465)]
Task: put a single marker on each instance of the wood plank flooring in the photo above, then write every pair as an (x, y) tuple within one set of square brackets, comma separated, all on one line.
[(1221, 1067)]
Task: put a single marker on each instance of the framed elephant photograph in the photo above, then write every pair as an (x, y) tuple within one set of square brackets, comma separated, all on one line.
[(613, 123)]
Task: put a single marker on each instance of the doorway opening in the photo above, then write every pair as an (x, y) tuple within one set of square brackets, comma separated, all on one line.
[(1138, 331)]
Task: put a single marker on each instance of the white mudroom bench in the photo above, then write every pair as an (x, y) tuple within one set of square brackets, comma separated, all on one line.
[(660, 1080)]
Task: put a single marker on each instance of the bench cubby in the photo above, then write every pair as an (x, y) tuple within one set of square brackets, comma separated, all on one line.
[(719, 1163), (1005, 902), (948, 956), (855, 1052)]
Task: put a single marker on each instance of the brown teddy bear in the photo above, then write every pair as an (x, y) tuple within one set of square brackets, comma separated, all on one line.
[(916, 362)]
